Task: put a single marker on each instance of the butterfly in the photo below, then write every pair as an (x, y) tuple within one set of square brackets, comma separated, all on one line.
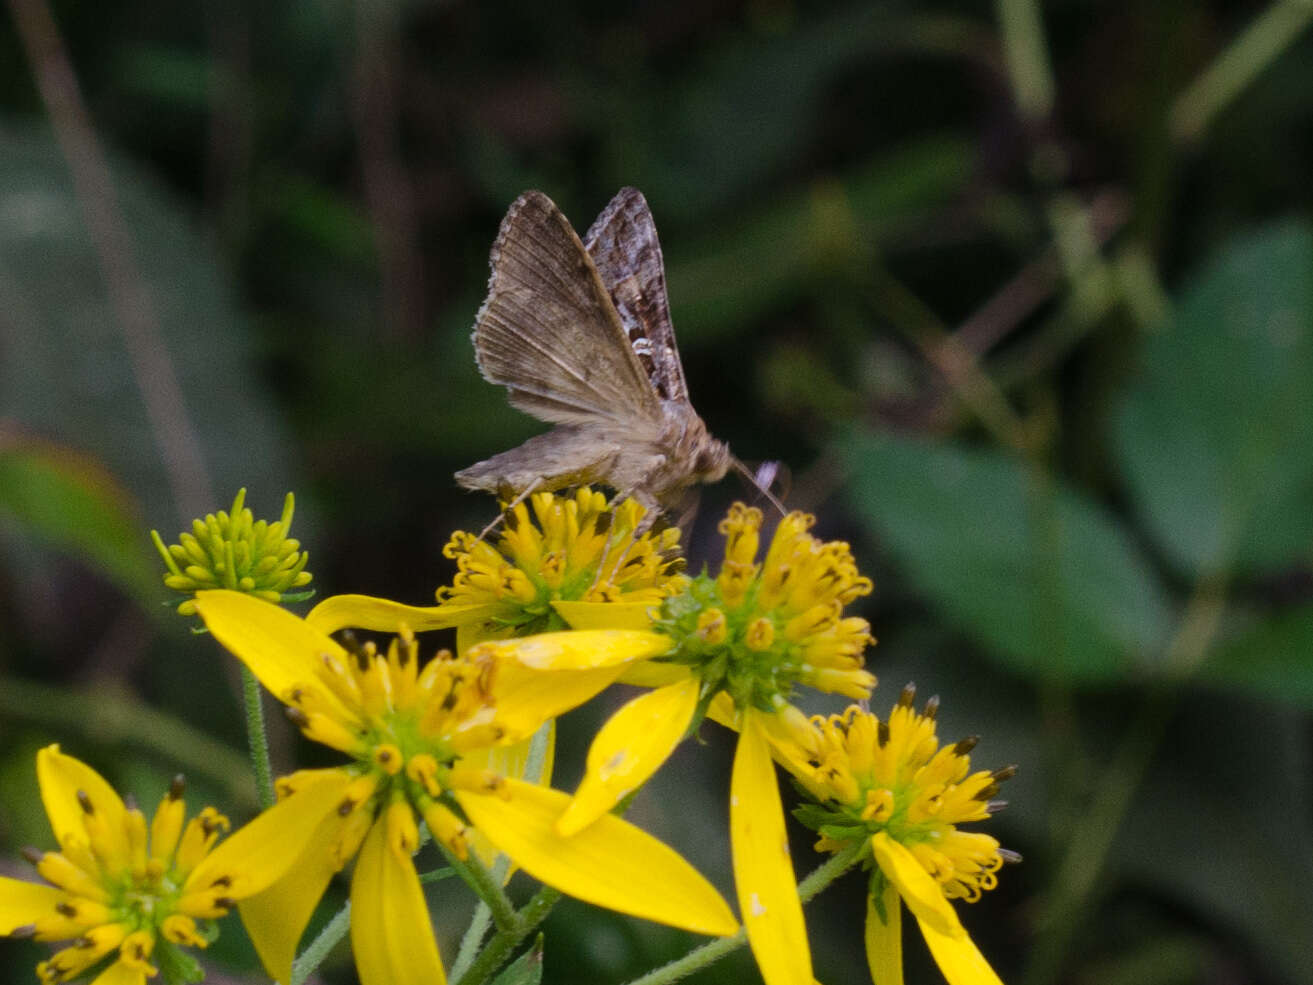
[(580, 335)]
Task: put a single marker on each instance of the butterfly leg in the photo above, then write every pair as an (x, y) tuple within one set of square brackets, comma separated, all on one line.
[(500, 517)]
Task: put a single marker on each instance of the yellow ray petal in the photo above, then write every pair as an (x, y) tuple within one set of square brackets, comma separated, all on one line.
[(612, 864), (120, 974), (630, 747), (513, 760), (390, 931), (279, 648), (606, 615), (721, 710), (958, 958), (385, 616), (526, 698), (924, 897), (61, 778), (276, 918), (22, 903), (256, 856), (580, 649), (653, 673), (763, 874), (884, 937)]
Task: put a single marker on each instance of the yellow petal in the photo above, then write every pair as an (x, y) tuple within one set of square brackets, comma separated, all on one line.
[(120, 974), (653, 673), (22, 903), (384, 616), (612, 864), (513, 760), (722, 711), (606, 615), (61, 778), (630, 747), (884, 937), (918, 888), (763, 874), (581, 649), (390, 931), (958, 958), (259, 854), (526, 698), (279, 648), (276, 918)]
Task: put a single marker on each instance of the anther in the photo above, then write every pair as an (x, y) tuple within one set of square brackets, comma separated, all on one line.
[(33, 855), (85, 802), (908, 696), (1008, 855), (964, 746), (994, 806), (882, 734), (177, 787), (224, 902), (931, 706), (23, 932), (1004, 773), (130, 802), (296, 716), (66, 909), (223, 881), (346, 807)]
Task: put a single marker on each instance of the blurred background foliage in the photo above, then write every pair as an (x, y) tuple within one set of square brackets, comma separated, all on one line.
[(1022, 295)]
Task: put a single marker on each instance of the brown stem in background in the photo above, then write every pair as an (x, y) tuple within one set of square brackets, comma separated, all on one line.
[(129, 294), (387, 186)]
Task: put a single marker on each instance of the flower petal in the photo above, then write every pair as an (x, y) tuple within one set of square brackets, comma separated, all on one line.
[(120, 974), (259, 854), (884, 937), (276, 918), (630, 747), (606, 615), (390, 931), (61, 779), (924, 897), (22, 903), (385, 616), (279, 648), (763, 874), (580, 649), (653, 673), (958, 958), (613, 864), (526, 698)]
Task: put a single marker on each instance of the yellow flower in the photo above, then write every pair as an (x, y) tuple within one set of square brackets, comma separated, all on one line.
[(737, 646), (891, 786), (234, 550), (572, 549), (421, 741), (129, 893)]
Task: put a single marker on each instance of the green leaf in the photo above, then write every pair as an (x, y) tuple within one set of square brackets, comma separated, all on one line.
[(1215, 438), (1271, 659), (71, 502), (527, 969), (1042, 576)]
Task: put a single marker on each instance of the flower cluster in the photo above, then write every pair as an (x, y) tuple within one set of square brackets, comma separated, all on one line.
[(234, 550)]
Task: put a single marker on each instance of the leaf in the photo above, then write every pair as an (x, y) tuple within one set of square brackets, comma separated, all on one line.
[(1272, 659), (1216, 438), (71, 502), (1042, 576), (527, 969)]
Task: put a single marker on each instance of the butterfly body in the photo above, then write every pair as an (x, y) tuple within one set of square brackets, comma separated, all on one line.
[(580, 334)]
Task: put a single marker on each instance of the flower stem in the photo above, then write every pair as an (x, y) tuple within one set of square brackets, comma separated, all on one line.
[(486, 884), (699, 958), (507, 939), (310, 959), (259, 741)]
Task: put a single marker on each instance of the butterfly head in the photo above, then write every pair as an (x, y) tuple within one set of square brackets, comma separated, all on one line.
[(712, 460)]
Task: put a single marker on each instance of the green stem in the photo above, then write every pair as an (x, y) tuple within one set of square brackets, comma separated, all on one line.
[(1027, 57), (113, 717), (259, 741), (313, 956), (1270, 34), (708, 954), (503, 942), (484, 883)]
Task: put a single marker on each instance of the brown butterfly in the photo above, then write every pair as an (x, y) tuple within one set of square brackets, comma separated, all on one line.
[(580, 335)]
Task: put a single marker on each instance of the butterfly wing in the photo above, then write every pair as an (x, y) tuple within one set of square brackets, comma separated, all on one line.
[(624, 248), (549, 331)]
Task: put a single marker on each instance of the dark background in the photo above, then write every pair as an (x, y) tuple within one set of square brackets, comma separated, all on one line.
[(1022, 295)]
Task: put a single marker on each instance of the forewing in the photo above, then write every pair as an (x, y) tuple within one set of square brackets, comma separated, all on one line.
[(624, 247), (564, 456), (549, 331)]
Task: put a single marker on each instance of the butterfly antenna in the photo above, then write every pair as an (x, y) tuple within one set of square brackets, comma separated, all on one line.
[(748, 474)]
